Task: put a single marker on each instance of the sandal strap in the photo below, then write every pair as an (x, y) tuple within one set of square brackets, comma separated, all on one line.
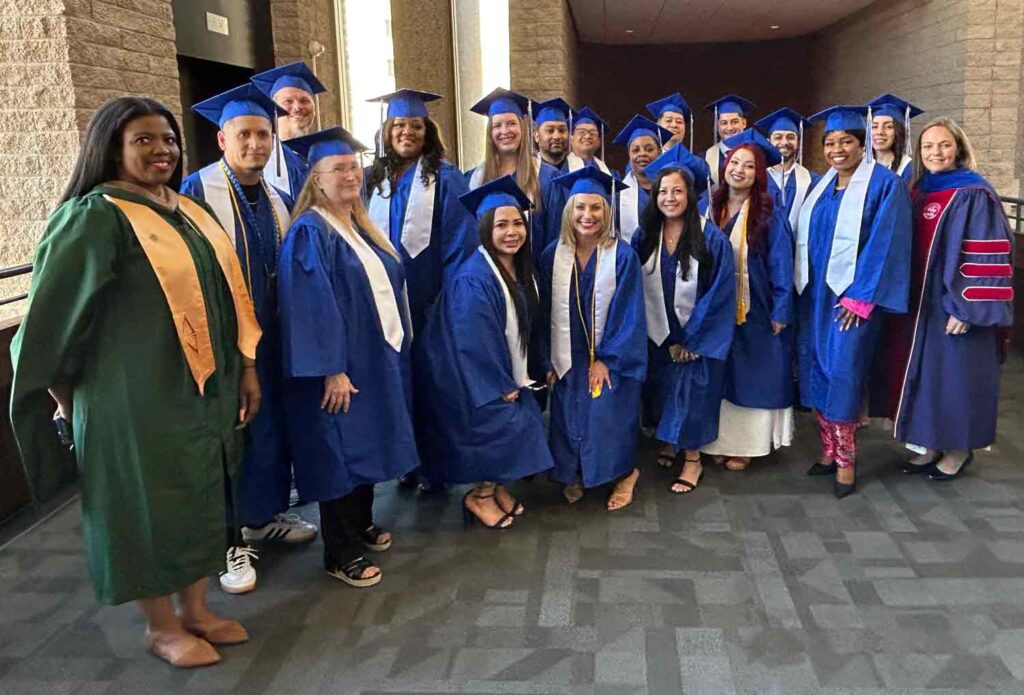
[(374, 532), (355, 569)]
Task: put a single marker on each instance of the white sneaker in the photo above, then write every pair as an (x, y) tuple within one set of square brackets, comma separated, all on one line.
[(240, 577), (289, 528)]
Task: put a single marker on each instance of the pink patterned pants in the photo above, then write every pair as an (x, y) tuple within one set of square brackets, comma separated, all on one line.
[(838, 441)]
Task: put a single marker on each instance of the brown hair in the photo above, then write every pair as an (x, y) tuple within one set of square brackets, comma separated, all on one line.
[(964, 150), (527, 177)]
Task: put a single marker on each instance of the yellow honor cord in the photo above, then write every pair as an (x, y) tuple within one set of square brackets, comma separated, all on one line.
[(241, 222), (591, 338)]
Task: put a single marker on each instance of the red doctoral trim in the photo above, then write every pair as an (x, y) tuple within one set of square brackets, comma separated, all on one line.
[(978, 293), (988, 246), (986, 270)]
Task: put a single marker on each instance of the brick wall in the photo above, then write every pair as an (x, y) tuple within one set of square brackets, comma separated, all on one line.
[(295, 24), (543, 49)]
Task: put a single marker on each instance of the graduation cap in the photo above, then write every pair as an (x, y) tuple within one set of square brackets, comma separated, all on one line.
[(899, 110), (589, 180), (752, 137), (326, 143), (694, 168), (845, 118), (245, 100), (406, 103), (496, 193), (557, 109), (295, 74), (788, 120), (639, 127), (501, 101), (730, 103), (588, 115), (674, 103)]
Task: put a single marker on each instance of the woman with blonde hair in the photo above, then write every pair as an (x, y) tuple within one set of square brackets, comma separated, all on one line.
[(590, 285), (346, 337), (961, 301)]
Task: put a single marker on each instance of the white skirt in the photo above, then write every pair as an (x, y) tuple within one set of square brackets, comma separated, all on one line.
[(751, 432)]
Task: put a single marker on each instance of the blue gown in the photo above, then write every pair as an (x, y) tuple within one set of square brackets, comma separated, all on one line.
[(329, 325), (759, 371), (462, 361), (593, 440), (833, 365), (950, 394), (683, 400), (297, 167), (785, 202), (266, 474)]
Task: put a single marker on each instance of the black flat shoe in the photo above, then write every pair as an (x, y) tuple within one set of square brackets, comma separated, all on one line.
[(908, 468), (841, 490), (937, 474), (821, 469)]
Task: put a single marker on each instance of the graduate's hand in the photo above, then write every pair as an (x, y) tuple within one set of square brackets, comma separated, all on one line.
[(846, 318), (552, 377), (599, 376), (511, 397), (249, 397), (778, 327), (62, 395), (338, 392), (955, 326)]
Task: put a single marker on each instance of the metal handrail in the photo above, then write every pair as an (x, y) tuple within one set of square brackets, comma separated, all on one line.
[(1016, 220), (13, 272)]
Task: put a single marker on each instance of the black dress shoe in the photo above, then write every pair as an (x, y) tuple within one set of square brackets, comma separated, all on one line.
[(841, 490), (938, 474), (821, 469), (908, 468)]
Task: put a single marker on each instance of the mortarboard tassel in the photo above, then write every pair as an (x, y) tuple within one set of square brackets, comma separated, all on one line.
[(691, 131), (380, 138), (906, 129), (869, 149)]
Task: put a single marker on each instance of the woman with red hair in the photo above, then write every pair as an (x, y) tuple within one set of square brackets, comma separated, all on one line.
[(757, 399)]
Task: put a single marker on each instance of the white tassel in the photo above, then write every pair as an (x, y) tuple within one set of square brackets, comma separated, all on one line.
[(869, 150)]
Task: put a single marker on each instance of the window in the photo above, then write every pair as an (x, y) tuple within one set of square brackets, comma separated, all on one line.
[(368, 64)]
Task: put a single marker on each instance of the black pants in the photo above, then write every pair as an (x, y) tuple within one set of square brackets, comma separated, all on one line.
[(341, 522)]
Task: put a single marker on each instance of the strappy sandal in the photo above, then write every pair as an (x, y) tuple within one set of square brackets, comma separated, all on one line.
[(517, 507), (689, 486), (468, 515), (621, 500), (371, 539), (352, 573), (572, 493)]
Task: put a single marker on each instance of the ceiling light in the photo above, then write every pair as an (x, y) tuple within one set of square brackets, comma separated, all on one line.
[(775, 26), (629, 31)]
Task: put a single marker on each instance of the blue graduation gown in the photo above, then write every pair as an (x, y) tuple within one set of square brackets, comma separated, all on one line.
[(785, 202), (833, 365), (329, 325), (297, 167), (453, 238), (266, 474), (684, 399), (593, 440), (759, 371), (462, 363), (949, 398)]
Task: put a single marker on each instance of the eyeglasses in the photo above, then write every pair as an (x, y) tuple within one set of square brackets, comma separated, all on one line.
[(587, 132)]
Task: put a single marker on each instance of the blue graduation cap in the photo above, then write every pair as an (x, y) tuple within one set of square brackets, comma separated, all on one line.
[(891, 105), (245, 100), (588, 115), (295, 74), (783, 119), (589, 180), (325, 143), (407, 103), (501, 101), (674, 103), (842, 117), (752, 137), (731, 103), (496, 193), (639, 127), (557, 109), (693, 167)]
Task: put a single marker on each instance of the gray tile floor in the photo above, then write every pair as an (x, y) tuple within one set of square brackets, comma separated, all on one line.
[(757, 583)]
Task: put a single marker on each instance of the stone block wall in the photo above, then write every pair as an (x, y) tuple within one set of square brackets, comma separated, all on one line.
[(543, 49)]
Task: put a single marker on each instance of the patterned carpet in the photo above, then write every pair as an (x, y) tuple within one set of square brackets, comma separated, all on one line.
[(757, 583)]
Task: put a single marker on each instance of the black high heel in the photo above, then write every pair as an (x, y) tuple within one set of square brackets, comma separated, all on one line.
[(468, 516), (908, 468), (819, 468), (841, 490), (937, 474)]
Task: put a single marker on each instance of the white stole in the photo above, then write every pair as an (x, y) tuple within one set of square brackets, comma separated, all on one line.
[(803, 183), (714, 158), (561, 312), (576, 163), (391, 321), (419, 212), (476, 179), (270, 173), (218, 197), (684, 295), (906, 161), (629, 207), (842, 261), (515, 352)]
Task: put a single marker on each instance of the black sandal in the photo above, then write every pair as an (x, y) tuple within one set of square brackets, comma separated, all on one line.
[(352, 573), (690, 487), (371, 539), (468, 515), (517, 507), (665, 460)]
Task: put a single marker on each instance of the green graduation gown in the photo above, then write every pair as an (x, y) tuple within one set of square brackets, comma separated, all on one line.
[(155, 458)]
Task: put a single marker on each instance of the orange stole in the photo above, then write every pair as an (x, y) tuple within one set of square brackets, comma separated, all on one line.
[(169, 255)]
